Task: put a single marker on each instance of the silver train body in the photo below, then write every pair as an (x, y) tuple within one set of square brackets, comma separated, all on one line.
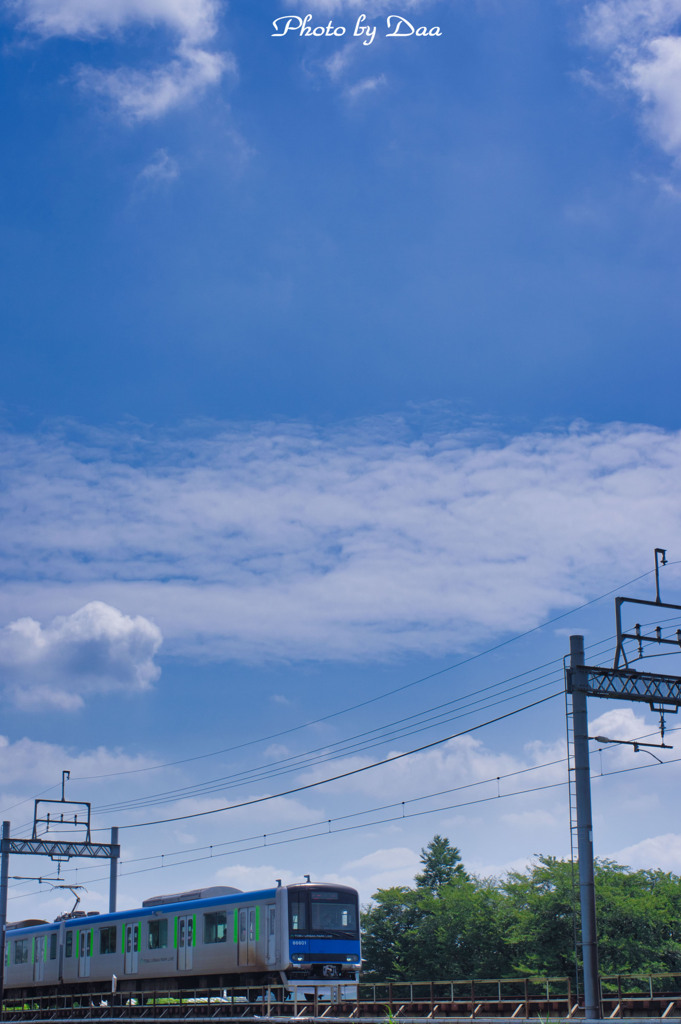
[(206, 938)]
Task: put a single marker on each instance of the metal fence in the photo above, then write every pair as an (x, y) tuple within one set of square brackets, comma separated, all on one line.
[(546, 999)]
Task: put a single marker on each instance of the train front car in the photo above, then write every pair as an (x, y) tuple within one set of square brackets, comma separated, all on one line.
[(323, 927)]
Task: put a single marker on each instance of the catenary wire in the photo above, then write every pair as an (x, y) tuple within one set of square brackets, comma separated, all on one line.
[(305, 761), (381, 696), (434, 810), (300, 761), (342, 775), (420, 715), (365, 703), (599, 643)]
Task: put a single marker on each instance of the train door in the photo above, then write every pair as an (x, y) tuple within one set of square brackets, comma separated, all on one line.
[(185, 943), (271, 935), (248, 926), (132, 946), (39, 944), (84, 952)]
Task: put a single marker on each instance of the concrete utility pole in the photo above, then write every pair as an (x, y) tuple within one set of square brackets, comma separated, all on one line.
[(113, 873), (587, 893), (662, 693), (4, 879)]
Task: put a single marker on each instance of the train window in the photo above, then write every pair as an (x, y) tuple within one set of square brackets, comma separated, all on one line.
[(215, 927), (68, 946), (21, 951), (158, 934), (107, 940), (53, 946), (334, 917), (252, 918), (299, 914)]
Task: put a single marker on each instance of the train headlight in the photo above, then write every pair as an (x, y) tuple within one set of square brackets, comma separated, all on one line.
[(351, 959), (297, 958)]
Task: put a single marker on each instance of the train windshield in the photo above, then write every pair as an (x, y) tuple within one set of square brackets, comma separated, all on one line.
[(330, 912)]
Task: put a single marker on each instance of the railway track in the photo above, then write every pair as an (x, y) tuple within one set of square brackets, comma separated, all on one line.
[(650, 997)]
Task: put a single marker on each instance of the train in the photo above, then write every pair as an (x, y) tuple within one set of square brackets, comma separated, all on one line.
[(205, 938)]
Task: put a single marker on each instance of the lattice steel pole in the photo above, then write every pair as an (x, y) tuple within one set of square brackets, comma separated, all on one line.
[(587, 893)]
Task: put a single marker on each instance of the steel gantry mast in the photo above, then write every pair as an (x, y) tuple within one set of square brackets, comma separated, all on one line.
[(50, 816), (663, 694)]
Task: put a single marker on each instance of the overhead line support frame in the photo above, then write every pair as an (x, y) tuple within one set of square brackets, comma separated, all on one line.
[(660, 692)]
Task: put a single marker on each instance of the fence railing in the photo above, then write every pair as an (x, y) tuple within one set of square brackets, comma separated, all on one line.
[(632, 996)]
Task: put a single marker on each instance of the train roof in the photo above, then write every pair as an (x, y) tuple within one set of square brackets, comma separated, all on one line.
[(193, 894), (171, 908), (30, 928), (156, 906), (90, 920)]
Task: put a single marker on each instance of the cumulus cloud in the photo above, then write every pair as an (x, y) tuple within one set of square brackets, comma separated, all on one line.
[(95, 650), (287, 542), (642, 40), (663, 852), (137, 93)]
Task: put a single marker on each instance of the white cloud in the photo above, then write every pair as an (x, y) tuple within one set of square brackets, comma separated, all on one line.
[(340, 61), (642, 40), (193, 20), (366, 85), (285, 542), (656, 77), (163, 168), (612, 23), (137, 94), (249, 877), (662, 852), (96, 649), (29, 765), (500, 870), (385, 867), (145, 95), (618, 723), (371, 8)]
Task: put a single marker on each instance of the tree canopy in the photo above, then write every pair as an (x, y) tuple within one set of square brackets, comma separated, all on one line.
[(454, 925)]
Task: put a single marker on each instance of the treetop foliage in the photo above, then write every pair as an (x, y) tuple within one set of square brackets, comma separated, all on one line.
[(454, 925), (441, 865)]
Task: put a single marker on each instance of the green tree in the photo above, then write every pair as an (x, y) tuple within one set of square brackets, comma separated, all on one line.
[(537, 918), (638, 916), (446, 927), (452, 925), (441, 865), (389, 933), (459, 933)]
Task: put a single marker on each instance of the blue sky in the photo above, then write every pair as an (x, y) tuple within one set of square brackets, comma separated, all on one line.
[(326, 367)]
